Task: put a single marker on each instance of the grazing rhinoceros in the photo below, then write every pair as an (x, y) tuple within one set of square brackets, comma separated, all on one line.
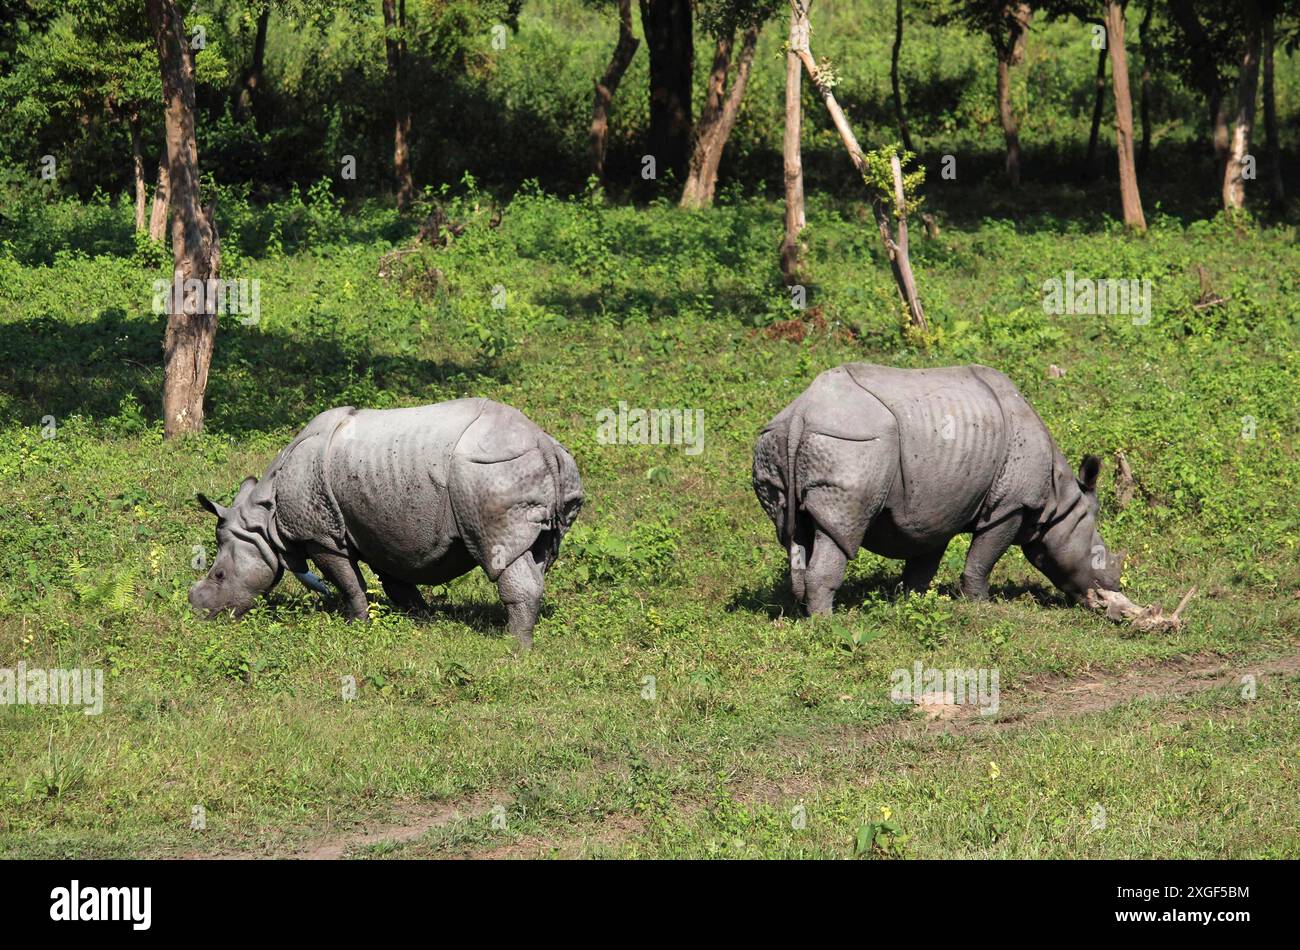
[(900, 460), (422, 495)]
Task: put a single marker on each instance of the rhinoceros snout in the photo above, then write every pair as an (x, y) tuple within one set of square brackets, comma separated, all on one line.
[(201, 599)]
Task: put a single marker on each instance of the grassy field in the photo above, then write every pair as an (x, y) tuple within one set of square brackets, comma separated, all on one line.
[(674, 705)]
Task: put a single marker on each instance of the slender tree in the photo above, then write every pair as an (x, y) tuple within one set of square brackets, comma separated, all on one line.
[(1144, 43), (1130, 199), (792, 247), (196, 254), (1272, 150), (1196, 47), (1007, 25), (395, 47), (895, 243), (721, 103), (670, 38), (250, 79), (714, 129), (607, 86), (158, 211), (894, 82), (1234, 186), (1098, 104)]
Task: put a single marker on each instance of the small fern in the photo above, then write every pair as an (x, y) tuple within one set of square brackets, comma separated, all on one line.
[(112, 589)]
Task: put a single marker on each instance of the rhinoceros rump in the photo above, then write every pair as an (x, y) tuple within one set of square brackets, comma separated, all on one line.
[(899, 461), (422, 495)]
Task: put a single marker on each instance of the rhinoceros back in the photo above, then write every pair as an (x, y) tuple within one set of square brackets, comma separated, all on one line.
[(952, 442), (388, 469), (400, 486)]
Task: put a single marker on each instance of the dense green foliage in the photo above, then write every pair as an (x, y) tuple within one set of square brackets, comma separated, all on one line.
[(521, 112)]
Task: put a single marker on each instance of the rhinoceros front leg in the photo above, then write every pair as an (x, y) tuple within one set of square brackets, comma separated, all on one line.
[(919, 571), (404, 595), (345, 574), (825, 573), (986, 546), (520, 586)]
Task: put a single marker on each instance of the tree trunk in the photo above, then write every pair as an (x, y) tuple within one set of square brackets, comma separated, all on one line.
[(1011, 52), (196, 253), (1234, 186), (137, 164), (669, 36), (624, 50), (1219, 134), (898, 256), (246, 97), (1272, 150), (1206, 75), (395, 46), (710, 112), (714, 128), (899, 261), (1144, 31), (158, 213), (1010, 128), (893, 76), (1098, 107), (1128, 183), (792, 250)]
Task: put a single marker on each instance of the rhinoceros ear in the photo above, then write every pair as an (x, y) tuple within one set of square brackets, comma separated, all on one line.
[(208, 504), (245, 489), (1089, 469)]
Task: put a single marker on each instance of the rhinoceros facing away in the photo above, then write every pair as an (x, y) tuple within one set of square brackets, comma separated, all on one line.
[(899, 461), (422, 495)]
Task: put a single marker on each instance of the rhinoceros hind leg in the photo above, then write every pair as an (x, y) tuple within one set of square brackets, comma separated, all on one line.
[(919, 571), (520, 586), (345, 574), (404, 595), (825, 573), (986, 546)]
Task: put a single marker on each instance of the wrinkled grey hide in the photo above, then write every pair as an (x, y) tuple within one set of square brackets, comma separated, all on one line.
[(422, 495), (900, 460)]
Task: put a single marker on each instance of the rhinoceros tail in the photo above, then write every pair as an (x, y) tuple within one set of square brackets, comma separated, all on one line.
[(547, 446), (793, 436)]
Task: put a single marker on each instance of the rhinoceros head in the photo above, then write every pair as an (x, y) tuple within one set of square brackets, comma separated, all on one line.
[(247, 563), (1069, 550)]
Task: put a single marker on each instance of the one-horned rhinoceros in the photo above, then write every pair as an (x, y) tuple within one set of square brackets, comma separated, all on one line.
[(422, 495), (899, 461)]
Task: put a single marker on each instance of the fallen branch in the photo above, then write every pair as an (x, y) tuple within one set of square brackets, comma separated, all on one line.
[(1151, 619), (1208, 297)]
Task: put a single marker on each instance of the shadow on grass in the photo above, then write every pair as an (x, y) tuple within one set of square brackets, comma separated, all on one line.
[(487, 617), (776, 600), (261, 380)]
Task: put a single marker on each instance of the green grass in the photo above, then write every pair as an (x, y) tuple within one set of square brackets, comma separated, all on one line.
[(672, 570)]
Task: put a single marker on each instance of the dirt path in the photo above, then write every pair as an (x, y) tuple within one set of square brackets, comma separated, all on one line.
[(1065, 697), (1043, 699)]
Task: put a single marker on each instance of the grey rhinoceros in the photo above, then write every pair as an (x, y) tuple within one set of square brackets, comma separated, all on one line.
[(422, 495), (899, 461)]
